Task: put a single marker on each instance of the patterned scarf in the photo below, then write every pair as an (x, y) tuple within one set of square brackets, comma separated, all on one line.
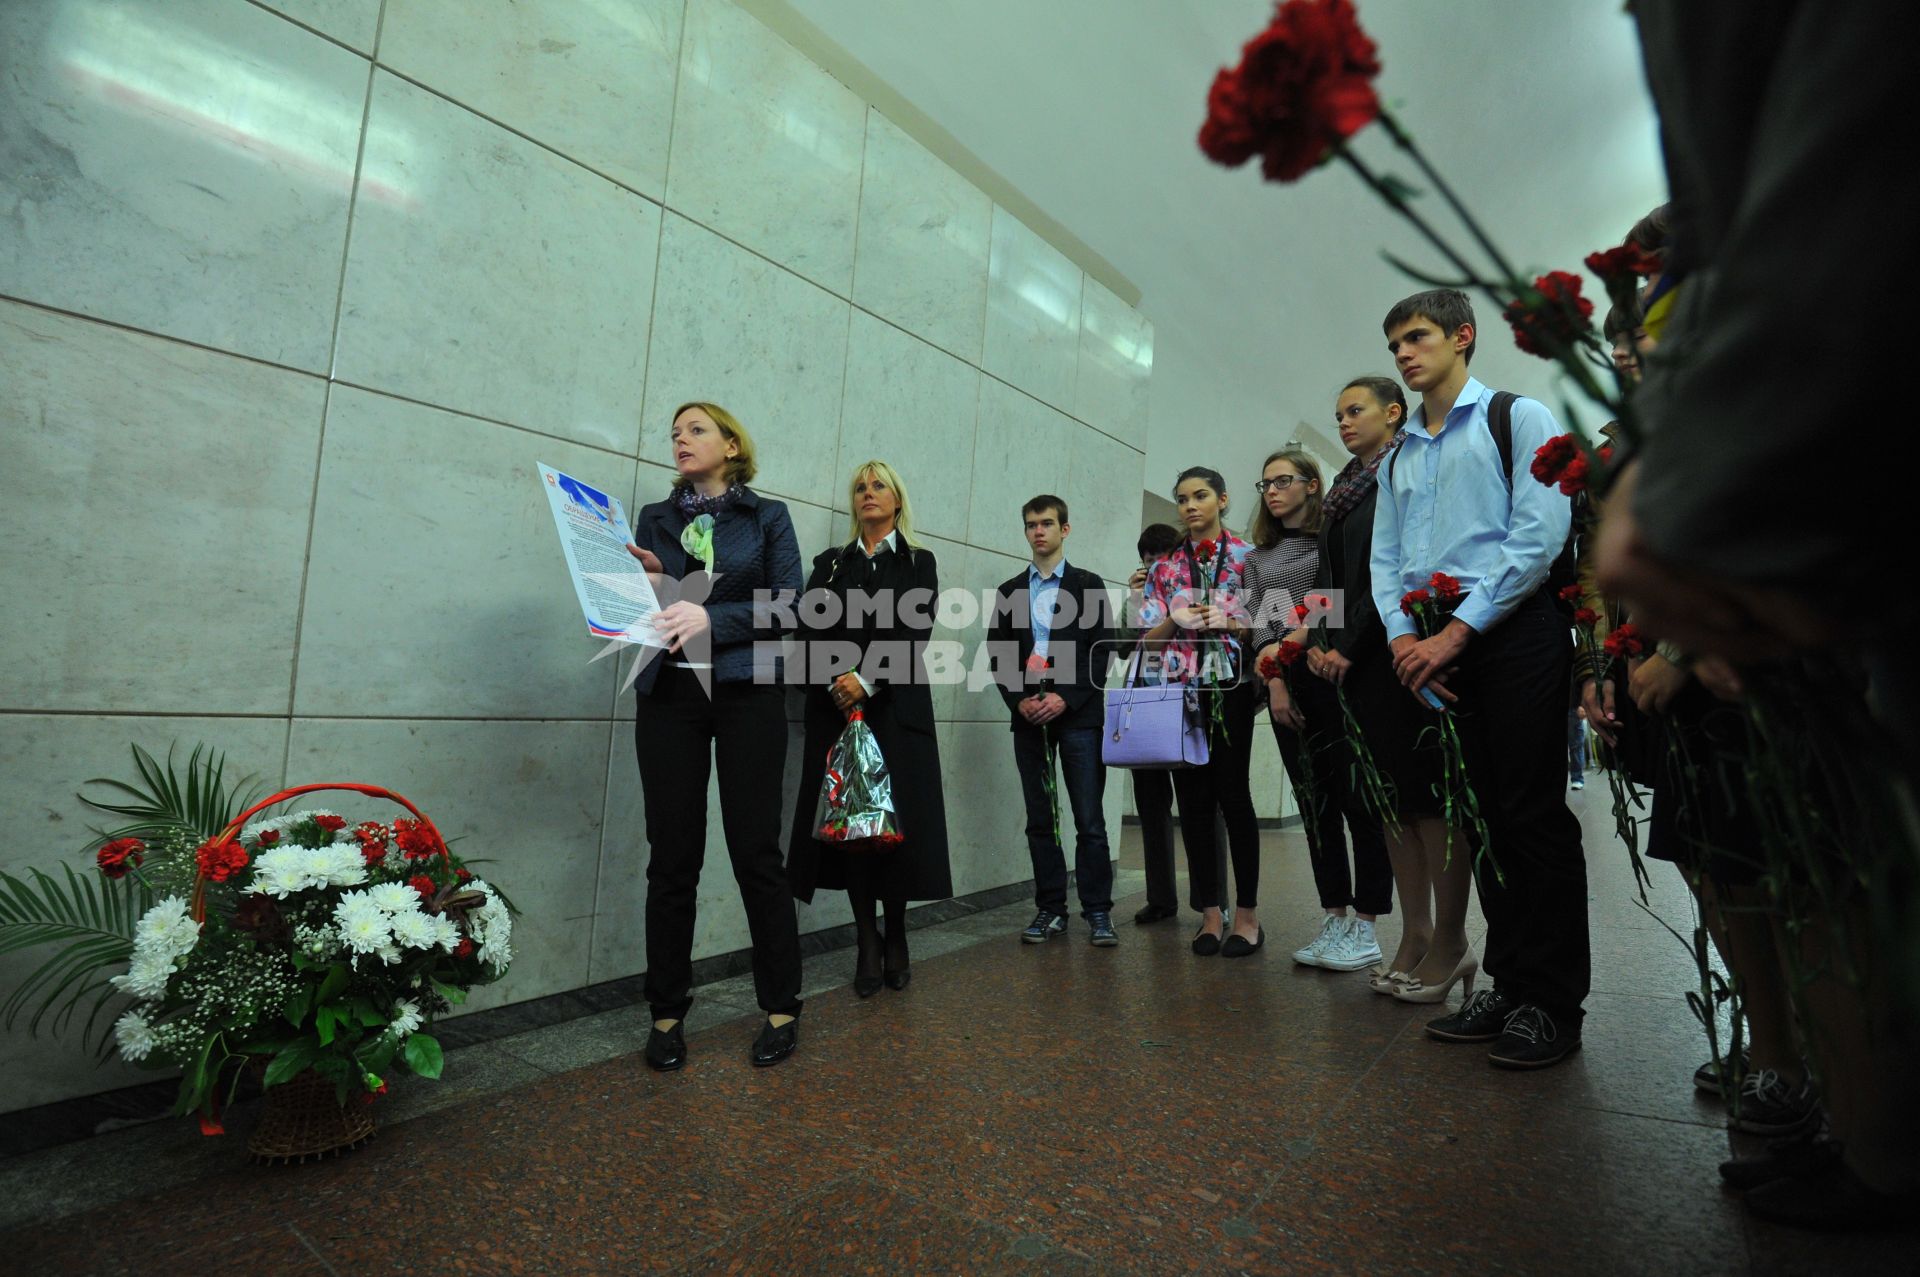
[(693, 505), (1351, 485)]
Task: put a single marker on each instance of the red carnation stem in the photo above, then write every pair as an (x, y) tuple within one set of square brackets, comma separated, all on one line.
[(238, 822)]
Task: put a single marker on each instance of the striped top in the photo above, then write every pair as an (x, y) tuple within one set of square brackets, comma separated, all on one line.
[(1278, 577)]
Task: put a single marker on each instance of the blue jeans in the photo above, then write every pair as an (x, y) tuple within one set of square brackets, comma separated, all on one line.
[(1083, 779)]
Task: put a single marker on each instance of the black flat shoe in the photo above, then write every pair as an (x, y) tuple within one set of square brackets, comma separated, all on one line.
[(775, 1044), (666, 1051), (866, 973), (1206, 944), (1237, 946)]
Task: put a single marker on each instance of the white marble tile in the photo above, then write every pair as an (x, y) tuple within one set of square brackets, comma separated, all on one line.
[(978, 572), (1116, 365), (490, 276), (770, 347), (527, 797), (911, 406), (1033, 313), (183, 169), (1102, 490), (1023, 448), (766, 145), (986, 819), (436, 585), (592, 80), (44, 761), (352, 22), (153, 504), (925, 232)]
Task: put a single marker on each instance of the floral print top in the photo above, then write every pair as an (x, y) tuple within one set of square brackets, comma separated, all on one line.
[(1192, 655)]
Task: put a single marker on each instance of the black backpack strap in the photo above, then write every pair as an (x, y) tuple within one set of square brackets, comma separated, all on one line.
[(1500, 422)]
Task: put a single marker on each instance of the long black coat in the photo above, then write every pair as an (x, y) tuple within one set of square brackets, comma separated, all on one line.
[(900, 712)]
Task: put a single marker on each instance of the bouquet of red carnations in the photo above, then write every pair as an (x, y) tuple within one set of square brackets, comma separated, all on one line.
[(855, 808)]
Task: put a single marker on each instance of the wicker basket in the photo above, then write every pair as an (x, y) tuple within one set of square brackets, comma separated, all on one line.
[(304, 1118)]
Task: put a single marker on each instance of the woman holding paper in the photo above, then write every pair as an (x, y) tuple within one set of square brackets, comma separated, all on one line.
[(711, 547), (876, 597)]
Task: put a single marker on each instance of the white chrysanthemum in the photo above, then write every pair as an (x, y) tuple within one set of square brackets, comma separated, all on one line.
[(413, 930), (496, 950), (336, 866), (166, 931), (146, 977), (364, 926), (135, 1035), (281, 871), (395, 897), (445, 934), (389, 954), (273, 824), (406, 1018)]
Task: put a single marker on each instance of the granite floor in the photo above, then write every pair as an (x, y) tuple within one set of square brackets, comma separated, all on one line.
[(1058, 1109)]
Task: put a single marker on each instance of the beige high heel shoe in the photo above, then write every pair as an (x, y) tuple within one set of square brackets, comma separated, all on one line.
[(1381, 980), (1466, 969)]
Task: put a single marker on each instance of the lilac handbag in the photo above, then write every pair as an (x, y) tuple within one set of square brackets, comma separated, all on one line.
[(1159, 726)]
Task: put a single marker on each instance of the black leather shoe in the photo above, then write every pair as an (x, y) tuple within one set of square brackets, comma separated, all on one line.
[(1237, 946), (1481, 1018), (666, 1051), (1150, 914), (775, 1044), (899, 979), (1206, 944)]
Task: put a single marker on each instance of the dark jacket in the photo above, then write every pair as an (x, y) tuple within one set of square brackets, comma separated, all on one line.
[(892, 658), (754, 551), (1346, 563), (1079, 650)]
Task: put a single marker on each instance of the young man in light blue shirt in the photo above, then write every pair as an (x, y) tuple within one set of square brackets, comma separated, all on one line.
[(1456, 499)]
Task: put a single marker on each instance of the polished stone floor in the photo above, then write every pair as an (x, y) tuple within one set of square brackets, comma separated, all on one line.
[(1058, 1109)]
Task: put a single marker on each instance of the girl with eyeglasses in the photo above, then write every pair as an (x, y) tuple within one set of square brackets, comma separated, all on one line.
[(1285, 563)]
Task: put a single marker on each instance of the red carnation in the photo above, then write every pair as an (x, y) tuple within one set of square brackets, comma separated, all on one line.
[(465, 948), (1413, 600), (1626, 265), (1570, 593), (416, 841), (463, 874), (1551, 458), (1445, 588), (422, 884), (1037, 663), (1303, 86), (1205, 550), (121, 855), (1574, 478), (268, 837), (219, 861), (1269, 668), (330, 823), (1553, 316), (1299, 612), (1290, 653), (1586, 616), (1625, 643), (1319, 603)]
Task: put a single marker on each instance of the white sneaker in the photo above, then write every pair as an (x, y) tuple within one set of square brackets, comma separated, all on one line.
[(1355, 948), (1330, 930)]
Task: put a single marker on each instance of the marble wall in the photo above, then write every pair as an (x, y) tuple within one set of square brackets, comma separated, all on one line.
[(294, 295)]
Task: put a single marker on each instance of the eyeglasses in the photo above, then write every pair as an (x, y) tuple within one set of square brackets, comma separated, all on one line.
[(1284, 482)]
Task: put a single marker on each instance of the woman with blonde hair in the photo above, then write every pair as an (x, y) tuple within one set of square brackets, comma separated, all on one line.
[(1308, 726), (864, 630), (700, 698)]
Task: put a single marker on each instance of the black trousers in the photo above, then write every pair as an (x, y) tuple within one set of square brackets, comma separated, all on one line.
[(1081, 782), (1512, 715), (1222, 786), (678, 733), (1368, 887), (1153, 803)]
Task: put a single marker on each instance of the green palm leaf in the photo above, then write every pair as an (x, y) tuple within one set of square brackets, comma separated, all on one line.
[(92, 920), (161, 804)]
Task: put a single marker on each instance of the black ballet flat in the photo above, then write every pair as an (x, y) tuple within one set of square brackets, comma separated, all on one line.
[(1206, 944), (666, 1051), (1237, 946)]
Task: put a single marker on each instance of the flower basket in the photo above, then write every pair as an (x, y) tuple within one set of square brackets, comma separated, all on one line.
[(304, 1118), (298, 948)]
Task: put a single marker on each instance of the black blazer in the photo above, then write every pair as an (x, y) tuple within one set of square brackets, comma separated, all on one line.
[(1082, 648), (1346, 563), (754, 549)]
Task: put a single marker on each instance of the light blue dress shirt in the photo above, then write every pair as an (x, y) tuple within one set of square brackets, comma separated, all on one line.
[(1043, 596), (1447, 508)]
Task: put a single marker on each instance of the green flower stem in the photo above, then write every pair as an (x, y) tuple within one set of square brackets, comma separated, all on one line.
[(1456, 789), (1374, 788), (1404, 140)]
